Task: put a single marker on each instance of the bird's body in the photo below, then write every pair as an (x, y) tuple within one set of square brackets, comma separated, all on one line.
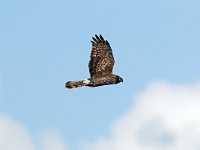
[(100, 66)]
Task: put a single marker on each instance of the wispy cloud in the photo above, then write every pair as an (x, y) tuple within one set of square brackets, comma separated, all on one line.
[(15, 136), (52, 140)]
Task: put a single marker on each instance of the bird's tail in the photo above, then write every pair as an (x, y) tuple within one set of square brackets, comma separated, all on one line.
[(76, 84)]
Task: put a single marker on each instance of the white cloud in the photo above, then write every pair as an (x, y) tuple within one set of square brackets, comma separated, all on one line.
[(163, 117), (52, 141), (15, 136)]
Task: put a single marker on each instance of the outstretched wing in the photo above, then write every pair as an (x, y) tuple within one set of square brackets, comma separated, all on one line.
[(101, 59)]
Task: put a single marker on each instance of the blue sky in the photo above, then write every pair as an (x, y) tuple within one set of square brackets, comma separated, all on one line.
[(44, 43)]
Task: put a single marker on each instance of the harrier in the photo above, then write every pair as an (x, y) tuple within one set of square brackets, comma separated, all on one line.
[(100, 66)]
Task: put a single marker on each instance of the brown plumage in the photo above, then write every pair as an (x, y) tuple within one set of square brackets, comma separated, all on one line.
[(100, 66)]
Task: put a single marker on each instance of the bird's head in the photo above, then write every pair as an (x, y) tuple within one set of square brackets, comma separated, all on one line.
[(119, 79)]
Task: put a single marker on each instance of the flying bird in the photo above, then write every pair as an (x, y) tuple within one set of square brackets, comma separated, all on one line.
[(100, 66)]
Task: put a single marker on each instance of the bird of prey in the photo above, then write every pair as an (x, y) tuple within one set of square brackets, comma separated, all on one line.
[(100, 66)]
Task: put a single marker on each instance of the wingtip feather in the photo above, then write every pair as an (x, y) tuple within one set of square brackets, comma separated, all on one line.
[(101, 37)]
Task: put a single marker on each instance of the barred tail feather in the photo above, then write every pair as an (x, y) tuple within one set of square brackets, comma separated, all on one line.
[(76, 84)]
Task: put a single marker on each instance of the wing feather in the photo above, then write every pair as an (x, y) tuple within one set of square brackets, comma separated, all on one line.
[(101, 59)]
